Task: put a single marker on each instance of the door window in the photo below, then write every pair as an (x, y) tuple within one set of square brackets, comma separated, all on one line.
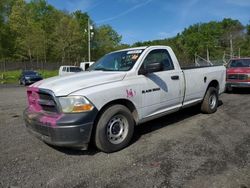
[(159, 56)]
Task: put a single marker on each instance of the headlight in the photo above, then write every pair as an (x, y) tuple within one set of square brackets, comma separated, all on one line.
[(27, 77), (73, 104)]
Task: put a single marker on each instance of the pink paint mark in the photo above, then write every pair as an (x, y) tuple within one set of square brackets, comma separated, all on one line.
[(51, 120), (34, 106), (130, 93), (33, 97)]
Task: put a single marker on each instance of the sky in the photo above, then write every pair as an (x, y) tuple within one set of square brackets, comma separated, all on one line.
[(143, 20)]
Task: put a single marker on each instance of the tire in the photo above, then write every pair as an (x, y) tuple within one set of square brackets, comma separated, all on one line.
[(210, 102), (24, 83), (114, 129)]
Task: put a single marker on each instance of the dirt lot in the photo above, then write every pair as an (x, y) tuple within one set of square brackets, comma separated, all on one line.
[(185, 149)]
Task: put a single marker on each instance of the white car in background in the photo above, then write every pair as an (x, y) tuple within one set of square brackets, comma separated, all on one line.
[(67, 70), (86, 65)]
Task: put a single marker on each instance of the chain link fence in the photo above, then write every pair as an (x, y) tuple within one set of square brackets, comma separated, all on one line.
[(11, 66)]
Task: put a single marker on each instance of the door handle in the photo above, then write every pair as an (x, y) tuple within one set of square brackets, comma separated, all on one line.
[(176, 77)]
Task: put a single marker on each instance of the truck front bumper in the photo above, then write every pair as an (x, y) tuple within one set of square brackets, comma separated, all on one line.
[(72, 130), (238, 84)]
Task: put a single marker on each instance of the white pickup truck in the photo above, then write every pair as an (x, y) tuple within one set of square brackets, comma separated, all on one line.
[(121, 90)]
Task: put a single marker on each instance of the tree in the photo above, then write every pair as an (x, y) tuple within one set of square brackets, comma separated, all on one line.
[(46, 16), (248, 30), (106, 39), (82, 19), (19, 25), (68, 39), (6, 37)]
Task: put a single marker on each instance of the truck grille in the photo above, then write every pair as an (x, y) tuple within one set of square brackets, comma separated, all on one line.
[(47, 102), (237, 77), (42, 100)]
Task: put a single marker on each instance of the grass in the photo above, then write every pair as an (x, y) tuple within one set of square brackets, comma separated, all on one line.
[(13, 76)]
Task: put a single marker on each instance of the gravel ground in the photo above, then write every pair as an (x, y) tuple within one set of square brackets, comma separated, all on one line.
[(185, 149)]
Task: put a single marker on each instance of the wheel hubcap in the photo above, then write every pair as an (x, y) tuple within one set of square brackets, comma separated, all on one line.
[(212, 101), (117, 129)]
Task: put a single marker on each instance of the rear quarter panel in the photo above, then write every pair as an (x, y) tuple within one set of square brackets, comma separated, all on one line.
[(196, 85)]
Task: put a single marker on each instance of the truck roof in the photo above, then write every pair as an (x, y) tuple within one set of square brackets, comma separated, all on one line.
[(140, 48)]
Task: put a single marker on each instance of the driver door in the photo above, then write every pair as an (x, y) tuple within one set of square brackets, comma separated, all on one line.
[(161, 90)]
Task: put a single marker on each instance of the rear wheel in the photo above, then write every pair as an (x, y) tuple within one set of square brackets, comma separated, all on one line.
[(210, 102), (24, 83), (114, 129)]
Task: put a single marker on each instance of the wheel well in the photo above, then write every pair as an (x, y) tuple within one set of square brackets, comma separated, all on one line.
[(123, 102), (213, 83)]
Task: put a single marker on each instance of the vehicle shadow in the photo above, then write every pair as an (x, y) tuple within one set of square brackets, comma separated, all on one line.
[(92, 150), (164, 121), (141, 130), (242, 91)]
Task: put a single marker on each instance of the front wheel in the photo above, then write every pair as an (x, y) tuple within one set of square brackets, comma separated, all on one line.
[(24, 83), (114, 129), (210, 102)]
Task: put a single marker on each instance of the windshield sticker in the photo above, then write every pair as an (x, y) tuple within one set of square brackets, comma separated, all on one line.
[(130, 93), (134, 52)]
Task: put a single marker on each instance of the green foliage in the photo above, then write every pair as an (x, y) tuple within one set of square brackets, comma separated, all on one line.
[(105, 40), (35, 31), (248, 30), (9, 77), (48, 74), (68, 38), (212, 36)]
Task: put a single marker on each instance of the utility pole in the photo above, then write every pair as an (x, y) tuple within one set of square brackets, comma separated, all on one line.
[(90, 34), (239, 52), (231, 46), (89, 41), (208, 55)]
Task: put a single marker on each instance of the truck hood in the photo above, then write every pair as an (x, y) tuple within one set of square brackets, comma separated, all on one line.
[(243, 70), (64, 85)]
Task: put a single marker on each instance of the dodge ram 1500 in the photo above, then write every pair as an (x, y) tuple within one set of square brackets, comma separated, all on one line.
[(123, 89)]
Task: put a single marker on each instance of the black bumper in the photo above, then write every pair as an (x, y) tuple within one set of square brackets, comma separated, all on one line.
[(71, 130), (238, 84)]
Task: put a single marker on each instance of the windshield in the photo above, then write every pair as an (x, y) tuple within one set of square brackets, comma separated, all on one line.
[(117, 61), (239, 63)]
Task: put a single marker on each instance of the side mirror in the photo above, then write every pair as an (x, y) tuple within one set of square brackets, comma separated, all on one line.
[(151, 67)]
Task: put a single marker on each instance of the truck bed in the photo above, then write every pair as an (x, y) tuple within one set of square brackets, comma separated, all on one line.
[(197, 79)]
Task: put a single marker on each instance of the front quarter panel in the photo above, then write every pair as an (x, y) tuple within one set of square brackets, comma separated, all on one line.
[(103, 94)]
